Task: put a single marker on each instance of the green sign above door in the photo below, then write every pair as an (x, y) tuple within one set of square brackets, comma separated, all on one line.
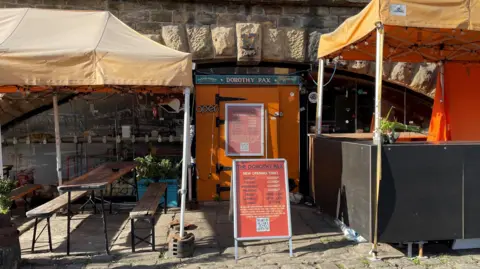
[(247, 79)]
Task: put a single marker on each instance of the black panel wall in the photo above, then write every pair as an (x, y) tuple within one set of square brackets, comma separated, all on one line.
[(428, 191), (420, 192)]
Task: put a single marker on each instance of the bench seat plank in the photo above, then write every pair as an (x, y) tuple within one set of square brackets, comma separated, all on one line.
[(54, 205), (23, 190), (147, 206)]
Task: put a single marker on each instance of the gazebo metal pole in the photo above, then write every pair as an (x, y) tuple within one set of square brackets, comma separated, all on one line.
[(186, 159), (1, 152), (377, 136), (58, 140), (321, 70)]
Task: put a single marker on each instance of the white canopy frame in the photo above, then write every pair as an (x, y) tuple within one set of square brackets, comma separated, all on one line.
[(377, 136)]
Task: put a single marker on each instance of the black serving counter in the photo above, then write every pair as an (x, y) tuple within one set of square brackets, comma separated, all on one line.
[(428, 191)]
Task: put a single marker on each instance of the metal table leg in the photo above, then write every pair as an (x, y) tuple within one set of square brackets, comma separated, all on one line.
[(152, 222), (104, 224), (68, 222), (34, 235), (132, 233), (111, 193), (49, 235)]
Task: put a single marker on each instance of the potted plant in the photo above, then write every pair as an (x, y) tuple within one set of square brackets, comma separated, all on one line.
[(152, 169), (10, 244), (389, 129)]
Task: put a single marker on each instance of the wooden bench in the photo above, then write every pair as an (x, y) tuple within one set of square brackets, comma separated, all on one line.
[(46, 210), (146, 209), (22, 193)]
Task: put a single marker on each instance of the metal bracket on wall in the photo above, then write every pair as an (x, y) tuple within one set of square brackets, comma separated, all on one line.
[(221, 189), (219, 122), (219, 99), (219, 168)]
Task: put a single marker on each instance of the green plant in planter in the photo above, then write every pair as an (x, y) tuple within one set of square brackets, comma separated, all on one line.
[(389, 129), (6, 186), (150, 167)]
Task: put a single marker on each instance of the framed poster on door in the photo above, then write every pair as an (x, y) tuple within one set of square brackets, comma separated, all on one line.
[(244, 129)]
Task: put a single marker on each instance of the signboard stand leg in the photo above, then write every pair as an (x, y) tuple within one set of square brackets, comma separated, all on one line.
[(290, 245), (236, 250)]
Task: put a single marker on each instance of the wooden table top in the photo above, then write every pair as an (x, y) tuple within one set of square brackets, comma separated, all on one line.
[(99, 178), (368, 136), (24, 190)]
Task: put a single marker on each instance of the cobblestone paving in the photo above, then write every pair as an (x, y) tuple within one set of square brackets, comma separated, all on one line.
[(317, 244)]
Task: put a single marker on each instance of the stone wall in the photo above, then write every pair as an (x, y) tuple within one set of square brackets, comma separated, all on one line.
[(258, 31)]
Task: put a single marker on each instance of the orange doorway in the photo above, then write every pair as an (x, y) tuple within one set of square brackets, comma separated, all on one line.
[(281, 131)]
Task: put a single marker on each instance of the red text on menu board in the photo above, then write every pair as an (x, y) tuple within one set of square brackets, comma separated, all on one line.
[(261, 199), (245, 134)]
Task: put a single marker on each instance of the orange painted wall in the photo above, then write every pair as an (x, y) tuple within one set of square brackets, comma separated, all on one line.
[(283, 132)]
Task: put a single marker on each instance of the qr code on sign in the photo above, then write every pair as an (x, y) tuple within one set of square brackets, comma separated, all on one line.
[(244, 147), (263, 225)]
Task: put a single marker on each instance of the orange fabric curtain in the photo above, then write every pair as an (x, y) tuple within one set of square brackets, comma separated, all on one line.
[(457, 117), (438, 123)]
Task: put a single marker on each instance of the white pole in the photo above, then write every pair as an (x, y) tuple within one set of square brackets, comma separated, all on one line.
[(186, 158), (192, 161), (377, 136), (378, 84), (1, 152), (58, 140), (321, 70)]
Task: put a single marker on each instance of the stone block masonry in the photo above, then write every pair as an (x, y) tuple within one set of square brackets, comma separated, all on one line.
[(283, 31)]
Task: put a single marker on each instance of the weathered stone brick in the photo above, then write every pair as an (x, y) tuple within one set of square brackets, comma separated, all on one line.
[(249, 43), (273, 44), (273, 10), (296, 10), (341, 19), (312, 49), (236, 9), (134, 5), (183, 17), (262, 19), (220, 9), (36, 6), (287, 21), (323, 11), (148, 27), (223, 39), (258, 10), (344, 11), (200, 42), (199, 7), (9, 5), (30, 2), (319, 22), (161, 16), (230, 19), (173, 6), (156, 37), (175, 37), (205, 7), (295, 45), (134, 16), (93, 4), (205, 18)]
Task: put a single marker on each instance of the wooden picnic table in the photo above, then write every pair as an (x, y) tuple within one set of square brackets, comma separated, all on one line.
[(97, 179)]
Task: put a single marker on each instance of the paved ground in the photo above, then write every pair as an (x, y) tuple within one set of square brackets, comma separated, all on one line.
[(317, 244)]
